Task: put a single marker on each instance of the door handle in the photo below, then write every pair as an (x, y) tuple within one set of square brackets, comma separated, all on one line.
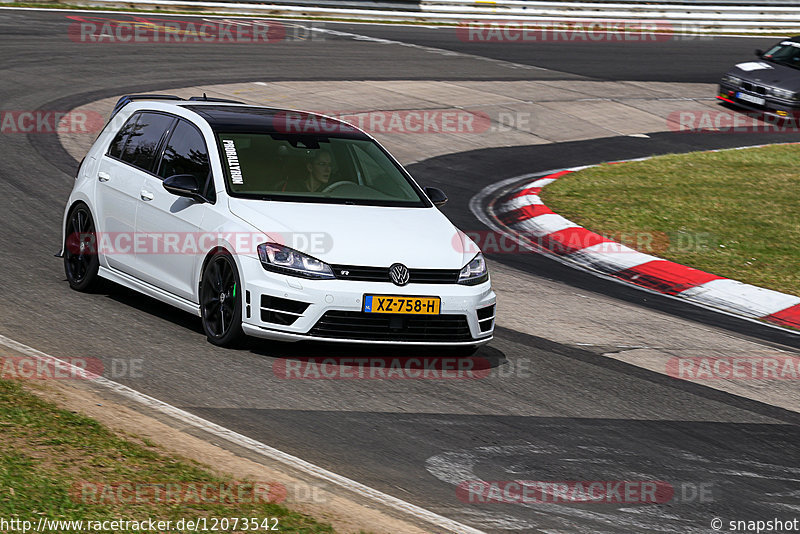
[(103, 176), (146, 195)]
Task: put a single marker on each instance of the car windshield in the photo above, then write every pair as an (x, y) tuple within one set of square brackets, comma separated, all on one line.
[(785, 53), (314, 168)]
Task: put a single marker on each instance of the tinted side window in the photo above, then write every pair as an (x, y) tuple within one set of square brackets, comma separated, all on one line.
[(118, 144), (145, 137), (186, 153)]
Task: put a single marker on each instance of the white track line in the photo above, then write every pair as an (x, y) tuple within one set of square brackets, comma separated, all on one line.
[(251, 444)]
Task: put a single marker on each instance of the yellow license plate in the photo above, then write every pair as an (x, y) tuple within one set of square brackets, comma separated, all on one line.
[(398, 304)]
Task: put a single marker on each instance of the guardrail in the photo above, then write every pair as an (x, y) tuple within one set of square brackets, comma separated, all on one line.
[(765, 17), (503, 4)]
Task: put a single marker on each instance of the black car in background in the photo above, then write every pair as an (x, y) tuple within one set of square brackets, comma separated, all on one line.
[(770, 85)]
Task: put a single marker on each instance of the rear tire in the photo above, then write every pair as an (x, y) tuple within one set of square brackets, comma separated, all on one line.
[(81, 262), (221, 301)]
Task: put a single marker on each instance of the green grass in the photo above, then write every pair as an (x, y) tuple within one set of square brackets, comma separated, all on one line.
[(732, 213), (44, 451)]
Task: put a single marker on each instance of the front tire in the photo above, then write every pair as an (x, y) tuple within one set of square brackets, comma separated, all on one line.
[(81, 262), (221, 301)]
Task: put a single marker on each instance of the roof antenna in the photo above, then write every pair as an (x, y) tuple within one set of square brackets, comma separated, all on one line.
[(205, 97)]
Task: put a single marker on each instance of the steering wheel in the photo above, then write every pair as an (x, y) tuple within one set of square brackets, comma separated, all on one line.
[(335, 185)]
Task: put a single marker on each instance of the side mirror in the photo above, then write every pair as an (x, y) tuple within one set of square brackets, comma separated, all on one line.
[(184, 185), (759, 52), (437, 196)]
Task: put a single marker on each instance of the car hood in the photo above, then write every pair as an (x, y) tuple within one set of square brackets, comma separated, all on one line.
[(767, 73), (361, 235)]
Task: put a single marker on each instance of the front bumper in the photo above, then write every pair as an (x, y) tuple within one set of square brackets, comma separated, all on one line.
[(772, 106), (460, 305)]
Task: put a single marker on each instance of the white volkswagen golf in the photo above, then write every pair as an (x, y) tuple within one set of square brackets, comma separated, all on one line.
[(272, 223)]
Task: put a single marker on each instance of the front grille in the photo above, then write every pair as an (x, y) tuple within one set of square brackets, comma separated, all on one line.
[(388, 327), (754, 88), (365, 274), (381, 274), (434, 276)]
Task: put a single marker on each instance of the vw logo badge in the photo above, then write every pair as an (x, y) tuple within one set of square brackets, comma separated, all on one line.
[(399, 274)]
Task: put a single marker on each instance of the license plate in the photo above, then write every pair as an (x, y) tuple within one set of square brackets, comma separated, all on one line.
[(399, 304), (750, 98)]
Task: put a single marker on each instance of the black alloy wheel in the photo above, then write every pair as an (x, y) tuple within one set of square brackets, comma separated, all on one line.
[(221, 301), (80, 250)]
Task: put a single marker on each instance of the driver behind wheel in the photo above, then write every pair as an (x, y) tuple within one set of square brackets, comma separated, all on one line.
[(317, 173), (319, 170)]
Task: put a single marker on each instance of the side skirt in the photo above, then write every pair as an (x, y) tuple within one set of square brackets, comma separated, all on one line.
[(149, 290)]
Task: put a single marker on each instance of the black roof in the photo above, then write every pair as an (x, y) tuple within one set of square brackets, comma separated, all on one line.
[(127, 99), (254, 119)]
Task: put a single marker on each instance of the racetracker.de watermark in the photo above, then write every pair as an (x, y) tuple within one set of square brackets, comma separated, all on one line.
[(177, 492), (29, 368), (565, 492), (735, 368), (572, 31), (69, 368), (420, 121), (37, 121), (137, 29), (382, 368), (727, 121), (192, 243), (651, 242)]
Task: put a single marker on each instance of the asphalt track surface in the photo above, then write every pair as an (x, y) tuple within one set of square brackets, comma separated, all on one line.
[(576, 416)]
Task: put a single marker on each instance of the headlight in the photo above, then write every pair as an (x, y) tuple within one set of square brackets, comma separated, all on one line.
[(285, 260), (474, 272), (783, 93), (732, 80)]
